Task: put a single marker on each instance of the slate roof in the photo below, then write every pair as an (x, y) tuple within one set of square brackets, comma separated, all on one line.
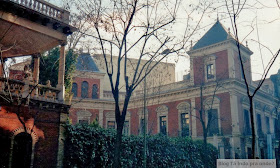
[(86, 63), (215, 34)]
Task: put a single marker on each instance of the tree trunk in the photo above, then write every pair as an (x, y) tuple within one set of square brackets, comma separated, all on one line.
[(205, 137), (117, 152), (205, 161), (252, 126)]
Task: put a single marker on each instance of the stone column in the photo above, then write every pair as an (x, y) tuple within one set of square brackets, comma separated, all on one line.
[(100, 122), (193, 118), (61, 138), (236, 132), (36, 67), (61, 72)]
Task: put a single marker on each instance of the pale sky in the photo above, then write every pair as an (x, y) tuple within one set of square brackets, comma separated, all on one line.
[(258, 23)]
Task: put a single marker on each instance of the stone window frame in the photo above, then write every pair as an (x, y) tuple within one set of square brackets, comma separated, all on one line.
[(83, 87), (211, 59), (216, 105), (97, 90), (34, 141), (110, 116), (161, 111), (182, 108), (140, 114), (244, 122), (76, 93), (83, 115), (257, 124), (268, 112)]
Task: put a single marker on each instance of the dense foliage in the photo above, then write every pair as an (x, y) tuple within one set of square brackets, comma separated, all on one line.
[(49, 63), (92, 146)]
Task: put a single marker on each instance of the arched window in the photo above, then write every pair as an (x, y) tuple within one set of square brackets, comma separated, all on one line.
[(184, 117), (162, 115), (84, 89), (22, 150), (74, 89), (94, 91)]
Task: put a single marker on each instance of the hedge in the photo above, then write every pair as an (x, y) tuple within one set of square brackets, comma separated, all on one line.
[(92, 146)]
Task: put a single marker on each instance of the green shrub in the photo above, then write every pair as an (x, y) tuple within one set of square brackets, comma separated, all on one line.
[(92, 146)]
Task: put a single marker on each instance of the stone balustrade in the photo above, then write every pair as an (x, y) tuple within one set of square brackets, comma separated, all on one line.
[(24, 89), (164, 88), (45, 8)]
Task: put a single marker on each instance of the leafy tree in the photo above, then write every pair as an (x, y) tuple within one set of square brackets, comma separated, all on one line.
[(49, 63)]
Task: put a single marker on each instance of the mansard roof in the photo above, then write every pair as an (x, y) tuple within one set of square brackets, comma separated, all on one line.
[(215, 34), (86, 63)]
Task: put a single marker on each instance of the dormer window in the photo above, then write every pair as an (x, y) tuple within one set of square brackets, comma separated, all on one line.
[(210, 71)]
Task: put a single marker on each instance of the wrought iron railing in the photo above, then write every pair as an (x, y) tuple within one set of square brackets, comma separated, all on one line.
[(45, 8)]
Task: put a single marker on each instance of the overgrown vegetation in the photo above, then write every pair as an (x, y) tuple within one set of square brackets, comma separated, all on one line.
[(92, 146), (49, 63)]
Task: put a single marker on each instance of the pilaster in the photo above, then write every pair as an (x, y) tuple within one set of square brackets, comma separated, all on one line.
[(193, 114), (61, 72)]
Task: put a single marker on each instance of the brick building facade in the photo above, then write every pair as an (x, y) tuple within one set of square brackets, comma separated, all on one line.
[(31, 114), (173, 107)]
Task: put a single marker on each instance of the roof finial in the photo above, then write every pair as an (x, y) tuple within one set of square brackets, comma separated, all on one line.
[(191, 45), (247, 44), (228, 33), (217, 16)]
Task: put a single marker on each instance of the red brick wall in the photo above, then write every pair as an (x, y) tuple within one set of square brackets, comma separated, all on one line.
[(221, 62), (222, 70), (225, 114), (173, 122), (91, 82), (46, 128), (198, 70), (247, 67)]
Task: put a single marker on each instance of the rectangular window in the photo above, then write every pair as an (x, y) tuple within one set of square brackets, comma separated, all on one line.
[(242, 74), (213, 119), (185, 122), (267, 125), (249, 152), (162, 124), (83, 121), (142, 126), (111, 125), (276, 130), (126, 128), (259, 122), (247, 124), (210, 71)]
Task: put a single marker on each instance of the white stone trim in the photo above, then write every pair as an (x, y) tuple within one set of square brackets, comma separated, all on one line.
[(140, 114), (83, 115), (216, 105), (211, 59), (184, 107), (193, 119), (162, 110)]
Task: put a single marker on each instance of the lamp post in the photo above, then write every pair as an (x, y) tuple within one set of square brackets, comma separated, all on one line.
[(145, 137)]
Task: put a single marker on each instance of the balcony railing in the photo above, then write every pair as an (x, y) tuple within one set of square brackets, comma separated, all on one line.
[(26, 89), (45, 8)]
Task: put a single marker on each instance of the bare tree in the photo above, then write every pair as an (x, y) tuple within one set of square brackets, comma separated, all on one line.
[(138, 29), (234, 9)]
